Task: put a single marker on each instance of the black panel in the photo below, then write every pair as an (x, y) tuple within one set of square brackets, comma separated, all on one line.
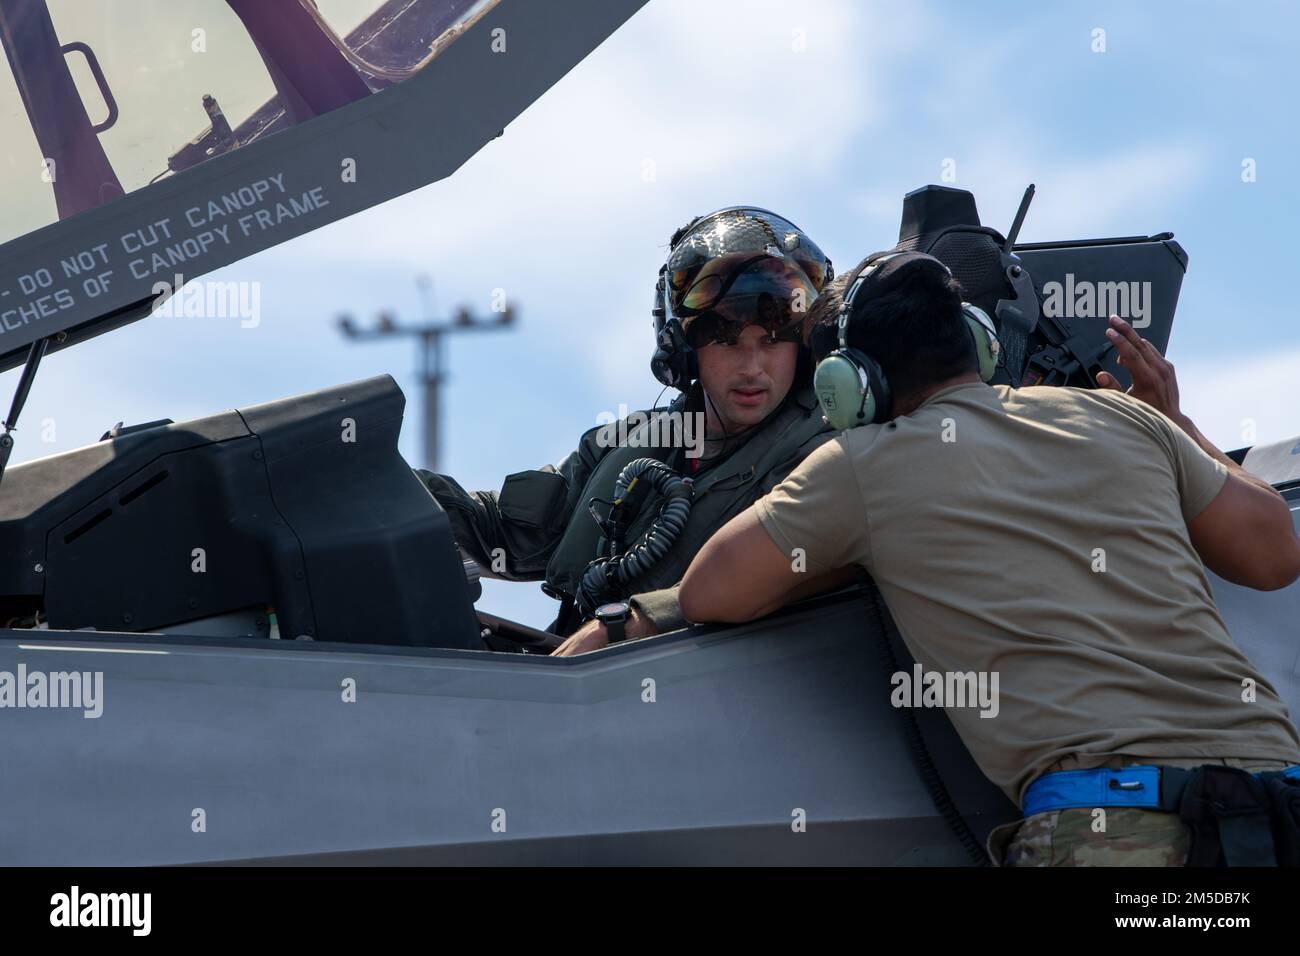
[(1158, 260), (303, 506)]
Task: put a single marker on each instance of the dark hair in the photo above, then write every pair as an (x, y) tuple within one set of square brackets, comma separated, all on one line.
[(914, 329), (820, 324)]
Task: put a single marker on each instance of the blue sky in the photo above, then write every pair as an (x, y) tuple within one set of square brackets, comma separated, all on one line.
[(719, 103)]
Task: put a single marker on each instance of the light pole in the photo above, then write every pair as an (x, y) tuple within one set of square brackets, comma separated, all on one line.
[(432, 370)]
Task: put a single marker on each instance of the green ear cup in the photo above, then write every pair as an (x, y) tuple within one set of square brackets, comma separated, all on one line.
[(987, 346), (843, 390)]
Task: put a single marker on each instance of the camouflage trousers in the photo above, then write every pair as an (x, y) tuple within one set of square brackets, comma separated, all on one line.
[(1104, 836), (1074, 837)]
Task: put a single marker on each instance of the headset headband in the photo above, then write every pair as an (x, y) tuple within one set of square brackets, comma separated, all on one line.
[(846, 306)]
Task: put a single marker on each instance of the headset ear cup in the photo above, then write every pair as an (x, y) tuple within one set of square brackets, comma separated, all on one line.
[(838, 385), (983, 333), (674, 362), (849, 388), (882, 398)]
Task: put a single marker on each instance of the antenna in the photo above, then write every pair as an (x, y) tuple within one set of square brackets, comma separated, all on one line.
[(1014, 232), (1017, 316)]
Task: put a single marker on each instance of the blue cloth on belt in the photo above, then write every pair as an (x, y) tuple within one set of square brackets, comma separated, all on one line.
[(1135, 786)]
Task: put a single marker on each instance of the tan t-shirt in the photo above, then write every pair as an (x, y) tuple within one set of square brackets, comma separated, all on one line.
[(1040, 534)]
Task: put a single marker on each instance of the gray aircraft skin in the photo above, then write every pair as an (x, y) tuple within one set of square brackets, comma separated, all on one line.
[(767, 743), (702, 746)]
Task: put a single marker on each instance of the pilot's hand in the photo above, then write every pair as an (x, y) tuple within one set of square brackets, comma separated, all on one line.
[(1154, 381), (592, 636)]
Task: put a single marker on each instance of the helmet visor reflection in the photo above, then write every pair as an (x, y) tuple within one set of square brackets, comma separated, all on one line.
[(702, 268), (772, 293)]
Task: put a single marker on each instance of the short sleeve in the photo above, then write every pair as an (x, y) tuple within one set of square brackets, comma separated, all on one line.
[(1200, 477), (819, 509)]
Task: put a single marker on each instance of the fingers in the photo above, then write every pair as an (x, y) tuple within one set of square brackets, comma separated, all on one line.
[(1145, 348), (1106, 380), (1159, 366), (1149, 350), (1128, 353), (1126, 341), (1126, 330), (1140, 356)]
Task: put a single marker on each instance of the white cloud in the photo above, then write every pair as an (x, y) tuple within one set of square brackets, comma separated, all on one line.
[(1115, 192), (717, 100), (971, 106), (557, 211), (1228, 399)]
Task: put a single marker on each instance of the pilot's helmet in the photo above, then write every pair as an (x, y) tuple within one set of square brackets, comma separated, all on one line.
[(739, 266)]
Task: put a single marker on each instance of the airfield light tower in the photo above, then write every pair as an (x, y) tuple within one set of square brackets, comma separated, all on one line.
[(429, 333)]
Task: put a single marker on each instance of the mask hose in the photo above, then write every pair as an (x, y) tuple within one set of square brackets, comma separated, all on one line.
[(607, 578)]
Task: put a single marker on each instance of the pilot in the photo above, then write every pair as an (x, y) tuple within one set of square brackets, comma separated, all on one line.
[(731, 304), (1056, 538)]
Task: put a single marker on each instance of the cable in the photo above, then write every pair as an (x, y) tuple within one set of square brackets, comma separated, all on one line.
[(726, 433), (925, 765), (606, 578)]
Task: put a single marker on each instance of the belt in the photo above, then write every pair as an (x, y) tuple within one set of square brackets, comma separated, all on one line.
[(1155, 788)]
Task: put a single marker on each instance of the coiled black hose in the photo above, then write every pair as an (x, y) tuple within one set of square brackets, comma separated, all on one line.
[(607, 577)]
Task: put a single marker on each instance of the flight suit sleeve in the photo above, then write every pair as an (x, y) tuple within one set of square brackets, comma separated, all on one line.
[(817, 513), (512, 533), (661, 609)]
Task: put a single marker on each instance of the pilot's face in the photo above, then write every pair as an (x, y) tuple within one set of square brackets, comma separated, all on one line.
[(747, 379)]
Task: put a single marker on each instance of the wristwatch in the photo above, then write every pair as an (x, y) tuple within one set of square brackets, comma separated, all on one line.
[(614, 616)]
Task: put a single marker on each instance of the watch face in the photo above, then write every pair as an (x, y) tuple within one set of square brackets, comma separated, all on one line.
[(612, 610)]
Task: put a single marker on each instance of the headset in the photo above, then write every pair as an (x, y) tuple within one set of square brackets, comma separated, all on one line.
[(851, 386), (674, 362)]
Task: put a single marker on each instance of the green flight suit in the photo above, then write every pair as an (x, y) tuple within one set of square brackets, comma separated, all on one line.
[(538, 526)]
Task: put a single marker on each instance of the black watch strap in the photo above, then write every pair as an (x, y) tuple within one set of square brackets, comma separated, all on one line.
[(616, 629), (614, 617)]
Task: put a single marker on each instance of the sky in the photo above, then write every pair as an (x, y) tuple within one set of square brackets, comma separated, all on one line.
[(825, 111)]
